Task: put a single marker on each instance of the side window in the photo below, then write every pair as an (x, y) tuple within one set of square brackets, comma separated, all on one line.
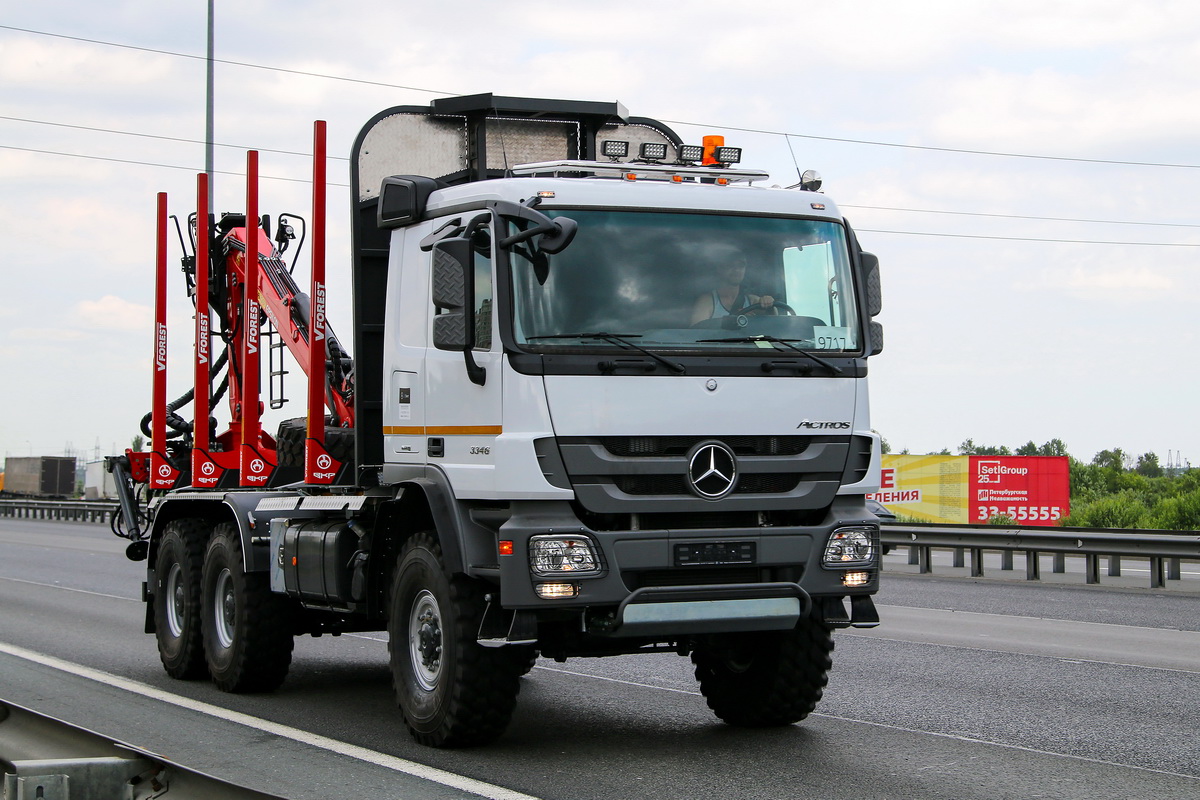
[(481, 243)]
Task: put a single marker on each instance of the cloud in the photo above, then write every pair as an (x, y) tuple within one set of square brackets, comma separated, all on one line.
[(113, 314), (47, 335)]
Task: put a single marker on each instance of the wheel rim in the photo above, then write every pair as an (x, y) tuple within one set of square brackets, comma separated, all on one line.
[(425, 640), (225, 608), (176, 601)]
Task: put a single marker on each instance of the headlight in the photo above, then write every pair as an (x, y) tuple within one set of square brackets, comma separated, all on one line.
[(851, 547), (557, 556)]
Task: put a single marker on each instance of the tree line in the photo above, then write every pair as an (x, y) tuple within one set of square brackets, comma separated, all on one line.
[(1115, 489)]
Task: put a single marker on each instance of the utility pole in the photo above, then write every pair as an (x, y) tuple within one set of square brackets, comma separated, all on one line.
[(208, 120)]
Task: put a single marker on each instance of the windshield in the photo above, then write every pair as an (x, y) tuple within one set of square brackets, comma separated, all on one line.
[(690, 281)]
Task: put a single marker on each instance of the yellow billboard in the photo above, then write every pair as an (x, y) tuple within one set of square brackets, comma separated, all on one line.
[(926, 488)]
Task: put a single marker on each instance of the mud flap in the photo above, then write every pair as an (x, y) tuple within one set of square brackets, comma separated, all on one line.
[(862, 612)]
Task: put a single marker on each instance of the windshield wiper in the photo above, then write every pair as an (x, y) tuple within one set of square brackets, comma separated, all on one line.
[(776, 340), (621, 339)]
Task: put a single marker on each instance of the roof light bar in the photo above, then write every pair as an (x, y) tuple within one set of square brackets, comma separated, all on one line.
[(691, 152), (729, 155), (652, 151), (659, 171), (614, 148)]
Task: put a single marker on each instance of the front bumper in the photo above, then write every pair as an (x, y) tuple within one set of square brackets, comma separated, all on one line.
[(677, 582)]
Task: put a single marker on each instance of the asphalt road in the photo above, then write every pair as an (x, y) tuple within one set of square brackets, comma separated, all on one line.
[(969, 689)]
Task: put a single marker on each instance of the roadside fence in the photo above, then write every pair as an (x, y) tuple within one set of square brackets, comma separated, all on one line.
[(1164, 550)]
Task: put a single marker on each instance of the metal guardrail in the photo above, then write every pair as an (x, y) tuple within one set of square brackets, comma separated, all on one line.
[(1165, 550), (78, 510), (44, 757)]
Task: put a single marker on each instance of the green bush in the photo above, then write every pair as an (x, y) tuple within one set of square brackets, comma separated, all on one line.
[(1126, 509), (1180, 513)]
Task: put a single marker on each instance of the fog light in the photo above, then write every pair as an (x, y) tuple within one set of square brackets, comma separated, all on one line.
[(554, 556), (856, 579), (556, 591), (850, 547)]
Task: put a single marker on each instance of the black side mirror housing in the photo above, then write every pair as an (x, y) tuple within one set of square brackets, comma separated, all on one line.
[(453, 294), (402, 200), (870, 267)]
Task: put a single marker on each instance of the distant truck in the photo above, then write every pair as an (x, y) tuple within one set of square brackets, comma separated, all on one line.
[(556, 435), (98, 483), (39, 476)]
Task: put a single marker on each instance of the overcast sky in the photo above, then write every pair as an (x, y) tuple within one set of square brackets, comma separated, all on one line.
[(1027, 173)]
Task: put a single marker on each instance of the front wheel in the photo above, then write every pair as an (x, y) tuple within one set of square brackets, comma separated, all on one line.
[(247, 628), (769, 678), (452, 691)]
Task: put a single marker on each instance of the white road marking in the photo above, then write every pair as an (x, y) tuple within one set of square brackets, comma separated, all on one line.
[(615, 680), (450, 779), (899, 728), (71, 589)]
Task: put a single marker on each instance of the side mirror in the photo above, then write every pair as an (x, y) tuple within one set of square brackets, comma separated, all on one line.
[(453, 280), (870, 268), (876, 332), (402, 200), (453, 293), (557, 241)]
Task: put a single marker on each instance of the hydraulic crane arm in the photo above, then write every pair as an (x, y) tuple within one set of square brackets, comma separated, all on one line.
[(289, 309)]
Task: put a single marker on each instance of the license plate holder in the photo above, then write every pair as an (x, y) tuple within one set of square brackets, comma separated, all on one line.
[(715, 554)]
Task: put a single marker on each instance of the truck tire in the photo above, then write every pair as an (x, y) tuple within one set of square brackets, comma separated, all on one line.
[(289, 442), (177, 570), (756, 680), (247, 629), (452, 691)]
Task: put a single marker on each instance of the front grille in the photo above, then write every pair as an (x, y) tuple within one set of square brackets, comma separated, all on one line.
[(700, 520), (649, 474), (675, 446), (751, 483)]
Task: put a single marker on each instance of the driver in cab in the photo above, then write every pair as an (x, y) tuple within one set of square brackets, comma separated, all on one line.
[(729, 299)]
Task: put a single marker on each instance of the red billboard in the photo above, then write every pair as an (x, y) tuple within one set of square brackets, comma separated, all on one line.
[(1034, 490)]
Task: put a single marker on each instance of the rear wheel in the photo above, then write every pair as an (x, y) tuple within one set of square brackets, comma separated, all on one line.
[(247, 629), (177, 569), (766, 678), (452, 691)]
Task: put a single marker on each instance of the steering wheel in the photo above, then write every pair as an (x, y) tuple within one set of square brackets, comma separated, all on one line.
[(759, 310)]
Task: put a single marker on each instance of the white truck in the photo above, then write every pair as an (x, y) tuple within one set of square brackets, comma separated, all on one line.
[(608, 396)]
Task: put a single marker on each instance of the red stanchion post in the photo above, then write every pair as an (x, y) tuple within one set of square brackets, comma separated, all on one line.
[(162, 474)]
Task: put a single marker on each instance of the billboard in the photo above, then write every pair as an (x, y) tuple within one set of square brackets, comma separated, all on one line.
[(1031, 490), (1035, 490)]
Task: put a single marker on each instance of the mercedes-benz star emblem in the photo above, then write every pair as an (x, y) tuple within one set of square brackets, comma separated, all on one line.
[(712, 470)]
